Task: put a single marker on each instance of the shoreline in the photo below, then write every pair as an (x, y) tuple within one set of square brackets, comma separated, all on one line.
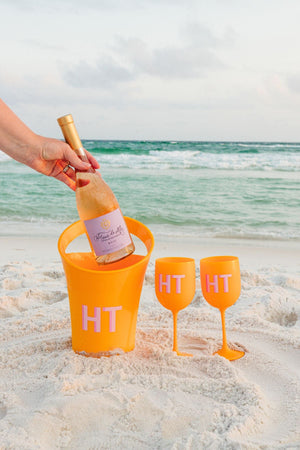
[(252, 253)]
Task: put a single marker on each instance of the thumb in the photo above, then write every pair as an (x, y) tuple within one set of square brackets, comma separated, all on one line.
[(75, 161)]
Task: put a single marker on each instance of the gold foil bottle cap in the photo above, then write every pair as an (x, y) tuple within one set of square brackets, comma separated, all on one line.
[(70, 133), (64, 120)]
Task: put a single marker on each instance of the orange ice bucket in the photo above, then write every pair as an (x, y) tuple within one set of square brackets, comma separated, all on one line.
[(104, 300)]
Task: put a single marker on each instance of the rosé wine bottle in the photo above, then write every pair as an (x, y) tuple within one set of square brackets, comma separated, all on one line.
[(97, 206)]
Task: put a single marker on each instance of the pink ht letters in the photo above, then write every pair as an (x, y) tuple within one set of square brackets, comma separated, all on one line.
[(215, 283), (167, 283), (97, 317)]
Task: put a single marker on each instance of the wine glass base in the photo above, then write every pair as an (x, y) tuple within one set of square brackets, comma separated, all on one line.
[(230, 354), (184, 354), (181, 353)]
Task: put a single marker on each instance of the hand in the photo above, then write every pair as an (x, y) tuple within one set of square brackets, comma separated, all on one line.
[(45, 155), (52, 158)]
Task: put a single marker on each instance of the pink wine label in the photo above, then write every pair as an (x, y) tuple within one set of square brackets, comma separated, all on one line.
[(108, 233)]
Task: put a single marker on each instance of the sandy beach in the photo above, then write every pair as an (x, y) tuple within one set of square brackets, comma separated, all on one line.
[(191, 110), (152, 398)]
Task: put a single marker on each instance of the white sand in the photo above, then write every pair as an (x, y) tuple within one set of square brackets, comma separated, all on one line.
[(151, 398)]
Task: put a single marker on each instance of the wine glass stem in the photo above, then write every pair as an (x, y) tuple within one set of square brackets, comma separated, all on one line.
[(175, 345), (225, 346)]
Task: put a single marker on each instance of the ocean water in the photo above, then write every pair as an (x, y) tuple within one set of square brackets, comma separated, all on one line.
[(210, 189)]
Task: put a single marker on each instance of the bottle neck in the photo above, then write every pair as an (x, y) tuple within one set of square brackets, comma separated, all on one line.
[(79, 151), (71, 136), (84, 158)]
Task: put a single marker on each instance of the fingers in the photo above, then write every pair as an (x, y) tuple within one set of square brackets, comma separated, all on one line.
[(75, 161), (68, 178), (61, 157), (69, 172), (92, 160), (63, 172)]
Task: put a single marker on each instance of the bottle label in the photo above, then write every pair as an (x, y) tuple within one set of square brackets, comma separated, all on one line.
[(108, 233)]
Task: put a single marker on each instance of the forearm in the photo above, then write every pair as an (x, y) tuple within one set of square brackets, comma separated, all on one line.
[(16, 139), (51, 157)]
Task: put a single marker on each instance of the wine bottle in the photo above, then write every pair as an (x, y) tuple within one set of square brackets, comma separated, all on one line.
[(97, 206)]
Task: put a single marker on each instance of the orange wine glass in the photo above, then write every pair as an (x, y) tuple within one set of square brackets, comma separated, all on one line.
[(175, 286), (221, 287)]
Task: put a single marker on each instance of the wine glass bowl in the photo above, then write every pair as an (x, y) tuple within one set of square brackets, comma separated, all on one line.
[(220, 280), (175, 287), (221, 288)]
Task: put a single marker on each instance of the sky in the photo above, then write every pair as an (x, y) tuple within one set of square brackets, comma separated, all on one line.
[(154, 69)]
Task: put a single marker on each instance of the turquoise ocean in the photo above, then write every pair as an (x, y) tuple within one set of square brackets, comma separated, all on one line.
[(241, 190)]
